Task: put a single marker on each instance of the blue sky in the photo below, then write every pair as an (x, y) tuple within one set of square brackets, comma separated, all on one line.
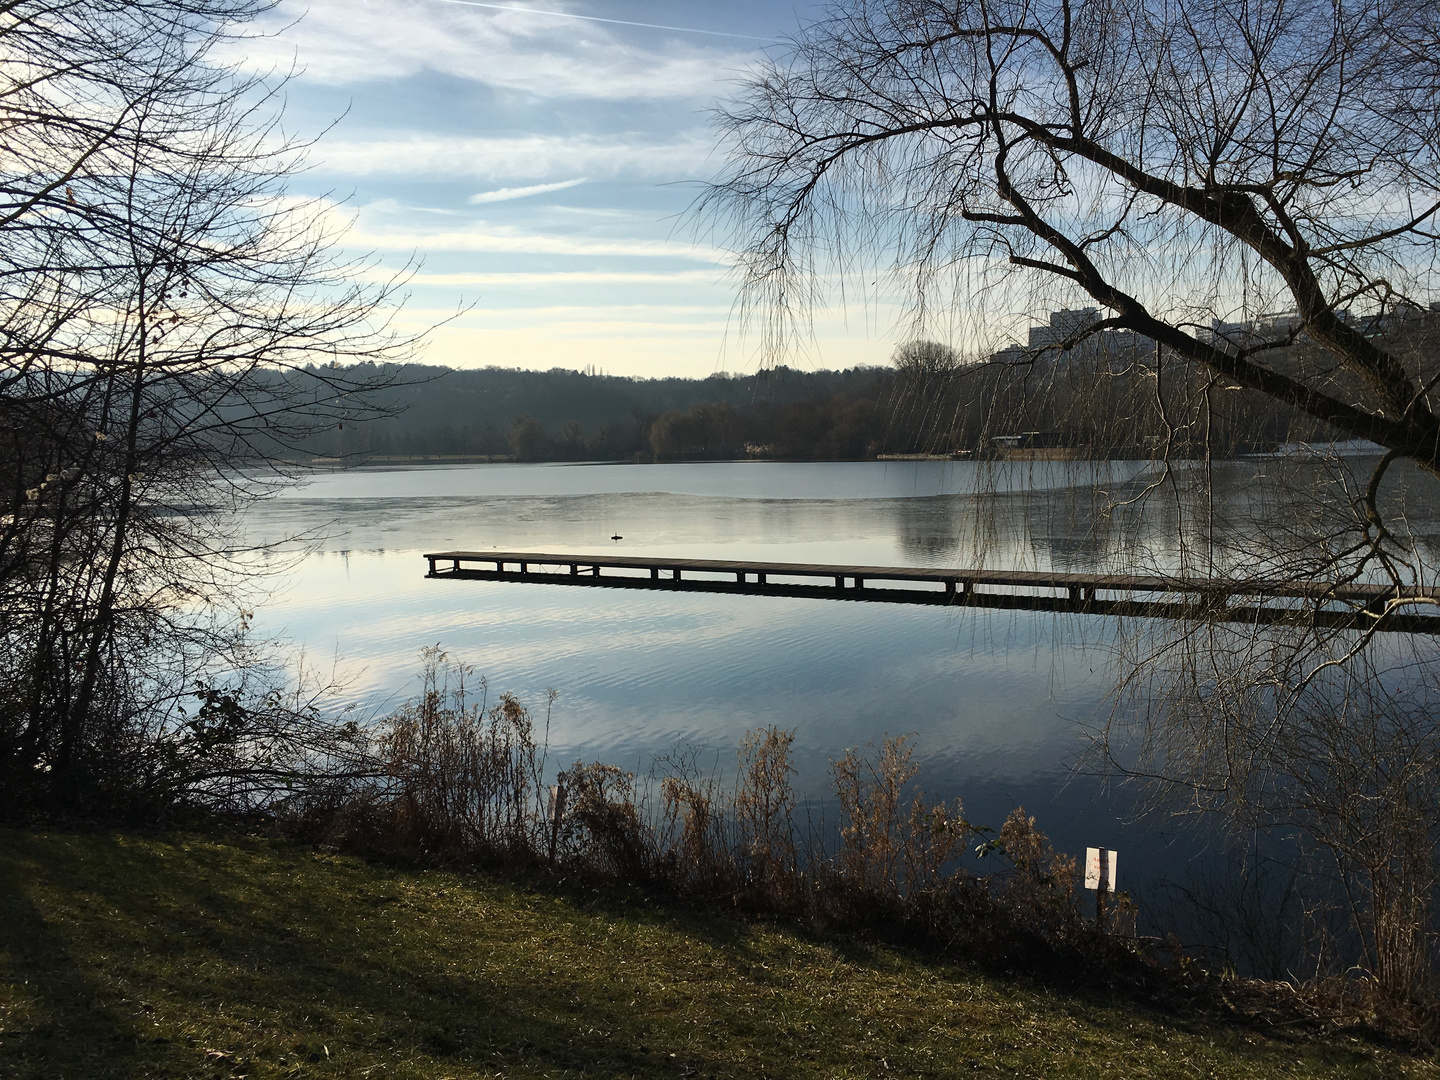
[(540, 167)]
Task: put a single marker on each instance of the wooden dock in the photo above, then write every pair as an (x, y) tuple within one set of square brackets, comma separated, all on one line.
[(1355, 606)]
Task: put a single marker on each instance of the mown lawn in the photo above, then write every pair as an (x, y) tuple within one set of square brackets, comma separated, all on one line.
[(192, 956)]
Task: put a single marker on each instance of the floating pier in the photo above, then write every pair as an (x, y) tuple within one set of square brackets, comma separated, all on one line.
[(1353, 606)]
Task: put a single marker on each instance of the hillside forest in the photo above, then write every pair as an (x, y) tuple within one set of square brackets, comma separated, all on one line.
[(1103, 397)]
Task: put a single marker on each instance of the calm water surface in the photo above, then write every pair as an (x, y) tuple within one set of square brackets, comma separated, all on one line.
[(998, 701)]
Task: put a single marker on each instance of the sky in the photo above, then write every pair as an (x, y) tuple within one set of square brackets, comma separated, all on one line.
[(539, 165)]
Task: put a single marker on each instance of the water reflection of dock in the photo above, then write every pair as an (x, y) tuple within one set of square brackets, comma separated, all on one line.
[(1314, 603)]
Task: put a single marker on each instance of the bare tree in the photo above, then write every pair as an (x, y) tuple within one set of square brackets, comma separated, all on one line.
[(1171, 162), (923, 360), (170, 316), (1246, 195)]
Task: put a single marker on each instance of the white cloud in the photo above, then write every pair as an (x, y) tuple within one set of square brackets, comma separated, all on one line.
[(361, 231), (587, 318), (503, 240), (599, 19), (527, 157), (356, 41), (505, 194), (396, 208), (547, 279)]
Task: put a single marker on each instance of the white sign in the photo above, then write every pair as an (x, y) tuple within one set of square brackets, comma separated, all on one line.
[(557, 805), (1100, 866)]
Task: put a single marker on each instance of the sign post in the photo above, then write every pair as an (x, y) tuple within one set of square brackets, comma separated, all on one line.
[(1100, 876), (556, 815)]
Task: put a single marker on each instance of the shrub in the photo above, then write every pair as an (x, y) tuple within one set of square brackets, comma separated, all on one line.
[(887, 847), (764, 812), (457, 779), (602, 825)]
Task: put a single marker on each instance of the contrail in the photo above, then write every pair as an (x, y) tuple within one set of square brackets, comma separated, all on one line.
[(596, 18)]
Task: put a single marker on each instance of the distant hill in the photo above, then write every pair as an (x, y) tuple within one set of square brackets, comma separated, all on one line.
[(1100, 399), (563, 414)]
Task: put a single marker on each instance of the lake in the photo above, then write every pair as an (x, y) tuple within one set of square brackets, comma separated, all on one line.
[(999, 702)]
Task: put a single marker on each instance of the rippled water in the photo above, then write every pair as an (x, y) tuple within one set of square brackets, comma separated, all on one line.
[(998, 701)]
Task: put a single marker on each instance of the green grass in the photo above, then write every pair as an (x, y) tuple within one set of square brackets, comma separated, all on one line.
[(191, 956)]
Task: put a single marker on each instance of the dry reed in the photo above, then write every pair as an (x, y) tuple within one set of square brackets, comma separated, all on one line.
[(461, 781)]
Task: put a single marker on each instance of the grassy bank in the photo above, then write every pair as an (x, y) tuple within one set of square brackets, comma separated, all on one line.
[(195, 956)]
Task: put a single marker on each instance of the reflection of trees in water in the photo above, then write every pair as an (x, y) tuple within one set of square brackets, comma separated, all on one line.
[(1244, 515), (928, 530), (1069, 528)]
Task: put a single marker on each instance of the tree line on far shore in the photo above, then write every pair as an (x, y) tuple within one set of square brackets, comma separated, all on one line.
[(1095, 399)]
